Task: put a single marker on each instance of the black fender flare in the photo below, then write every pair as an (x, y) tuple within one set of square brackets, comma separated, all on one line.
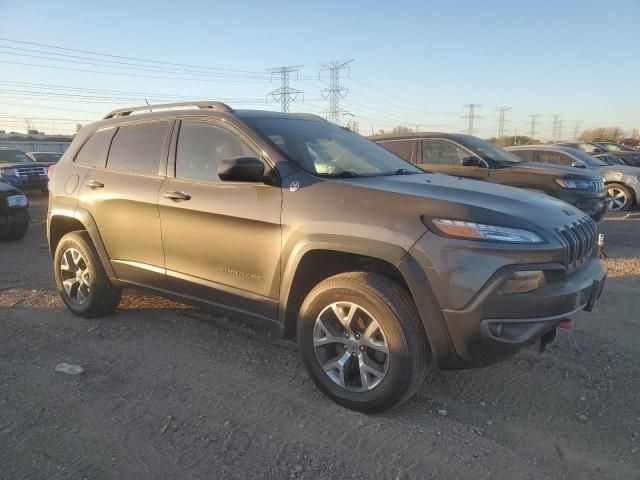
[(84, 217)]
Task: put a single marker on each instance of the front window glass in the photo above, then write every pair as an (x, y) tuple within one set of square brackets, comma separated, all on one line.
[(443, 152), (488, 150), (201, 148), (327, 150), (586, 158), (13, 156)]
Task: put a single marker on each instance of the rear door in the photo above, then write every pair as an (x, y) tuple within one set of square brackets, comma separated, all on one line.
[(405, 149), (122, 196), (222, 240)]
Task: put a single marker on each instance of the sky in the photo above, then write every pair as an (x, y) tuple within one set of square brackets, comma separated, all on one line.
[(415, 63)]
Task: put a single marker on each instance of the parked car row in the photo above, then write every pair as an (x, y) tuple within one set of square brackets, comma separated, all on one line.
[(578, 173)]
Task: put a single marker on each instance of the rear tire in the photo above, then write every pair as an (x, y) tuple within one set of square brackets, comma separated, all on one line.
[(346, 324), (81, 280), (17, 232), (619, 197)]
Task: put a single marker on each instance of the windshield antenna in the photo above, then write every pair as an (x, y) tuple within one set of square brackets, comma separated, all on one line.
[(145, 99)]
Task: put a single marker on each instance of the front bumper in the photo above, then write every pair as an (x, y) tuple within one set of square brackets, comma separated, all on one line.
[(15, 217), (31, 181), (496, 325), (595, 206), (470, 322)]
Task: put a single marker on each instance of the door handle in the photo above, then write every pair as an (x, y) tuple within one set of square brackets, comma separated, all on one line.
[(177, 196), (95, 184)]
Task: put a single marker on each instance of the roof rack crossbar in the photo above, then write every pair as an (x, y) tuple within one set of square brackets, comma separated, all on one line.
[(123, 112)]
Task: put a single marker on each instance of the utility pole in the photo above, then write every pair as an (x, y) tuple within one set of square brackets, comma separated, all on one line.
[(560, 123), (472, 116), (335, 92), (285, 94), (533, 122), (576, 130), (502, 120)]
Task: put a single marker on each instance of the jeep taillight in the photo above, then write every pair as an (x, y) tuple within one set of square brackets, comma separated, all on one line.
[(50, 171)]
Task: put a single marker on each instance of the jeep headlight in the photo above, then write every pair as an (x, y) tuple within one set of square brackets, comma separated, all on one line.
[(8, 171), (17, 201), (481, 231), (575, 184)]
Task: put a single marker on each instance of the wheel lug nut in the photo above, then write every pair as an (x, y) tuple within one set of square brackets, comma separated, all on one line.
[(345, 346), (353, 354), (357, 336), (346, 335), (362, 348)]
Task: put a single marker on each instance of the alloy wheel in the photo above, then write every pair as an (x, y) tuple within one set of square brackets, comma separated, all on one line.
[(76, 276), (617, 199), (351, 346)]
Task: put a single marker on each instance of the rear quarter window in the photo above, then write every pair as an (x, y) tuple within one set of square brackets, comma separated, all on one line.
[(94, 151), (402, 148), (137, 148)]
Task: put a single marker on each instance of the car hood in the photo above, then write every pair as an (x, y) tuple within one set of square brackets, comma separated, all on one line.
[(446, 196), (6, 189), (24, 165), (623, 169), (553, 170)]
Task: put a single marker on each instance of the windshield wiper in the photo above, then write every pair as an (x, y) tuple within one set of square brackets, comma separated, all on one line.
[(343, 174), (400, 171)]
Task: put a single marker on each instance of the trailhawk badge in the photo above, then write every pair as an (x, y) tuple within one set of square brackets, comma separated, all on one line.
[(294, 186)]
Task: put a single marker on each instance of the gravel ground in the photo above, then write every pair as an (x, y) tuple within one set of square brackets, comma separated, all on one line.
[(171, 392)]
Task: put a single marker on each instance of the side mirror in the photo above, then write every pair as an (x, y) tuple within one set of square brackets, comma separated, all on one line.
[(471, 161), (578, 165), (241, 169)]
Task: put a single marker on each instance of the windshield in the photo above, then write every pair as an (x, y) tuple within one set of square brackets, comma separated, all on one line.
[(488, 150), (46, 157), (614, 147), (585, 157), (13, 156), (327, 150), (611, 159)]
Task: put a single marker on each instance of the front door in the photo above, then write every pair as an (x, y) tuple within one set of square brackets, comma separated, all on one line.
[(445, 156), (221, 240)]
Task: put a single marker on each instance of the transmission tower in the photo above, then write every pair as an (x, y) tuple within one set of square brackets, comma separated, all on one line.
[(533, 123), (560, 124), (576, 130), (472, 116), (335, 92), (554, 132), (285, 94), (501, 120)]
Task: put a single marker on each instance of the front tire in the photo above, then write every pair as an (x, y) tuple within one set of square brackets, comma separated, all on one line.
[(619, 197), (81, 280), (361, 341)]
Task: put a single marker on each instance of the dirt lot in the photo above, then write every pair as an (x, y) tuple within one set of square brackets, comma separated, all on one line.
[(170, 392)]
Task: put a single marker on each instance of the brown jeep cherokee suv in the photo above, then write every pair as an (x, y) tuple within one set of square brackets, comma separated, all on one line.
[(378, 268)]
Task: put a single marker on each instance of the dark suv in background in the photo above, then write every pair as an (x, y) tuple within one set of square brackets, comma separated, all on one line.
[(468, 156), (14, 213), (378, 268), (19, 170)]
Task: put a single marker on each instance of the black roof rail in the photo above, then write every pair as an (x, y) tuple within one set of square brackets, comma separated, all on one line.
[(123, 112)]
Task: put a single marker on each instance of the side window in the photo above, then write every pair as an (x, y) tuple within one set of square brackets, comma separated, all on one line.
[(442, 152), (94, 151), (526, 155), (402, 148), (556, 158), (201, 148), (137, 148)]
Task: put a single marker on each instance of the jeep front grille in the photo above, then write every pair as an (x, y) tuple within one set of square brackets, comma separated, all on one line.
[(579, 241), (29, 171)]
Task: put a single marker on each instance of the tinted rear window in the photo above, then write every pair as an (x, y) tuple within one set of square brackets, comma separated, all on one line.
[(137, 148), (94, 151), (13, 156)]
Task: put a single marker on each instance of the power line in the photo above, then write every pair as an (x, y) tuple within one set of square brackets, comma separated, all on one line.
[(472, 116), (127, 58), (285, 94), (335, 92), (501, 121), (533, 123)]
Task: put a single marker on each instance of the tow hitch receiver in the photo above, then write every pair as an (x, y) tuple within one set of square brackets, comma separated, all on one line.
[(547, 339)]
